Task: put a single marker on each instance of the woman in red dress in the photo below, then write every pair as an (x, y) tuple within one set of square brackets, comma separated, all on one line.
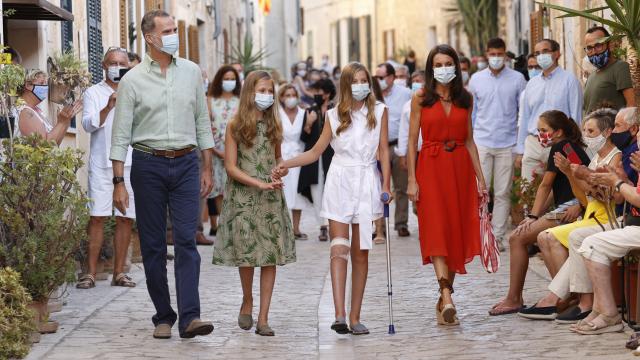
[(448, 179)]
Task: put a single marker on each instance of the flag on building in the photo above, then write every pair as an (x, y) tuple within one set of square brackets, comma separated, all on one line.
[(265, 6)]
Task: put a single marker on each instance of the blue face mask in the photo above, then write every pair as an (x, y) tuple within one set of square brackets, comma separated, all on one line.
[(40, 91), (534, 72), (416, 86), (600, 60)]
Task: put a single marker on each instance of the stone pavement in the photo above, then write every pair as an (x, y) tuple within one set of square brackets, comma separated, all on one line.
[(114, 323)]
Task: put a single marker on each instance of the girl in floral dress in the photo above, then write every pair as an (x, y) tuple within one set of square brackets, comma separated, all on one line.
[(223, 100)]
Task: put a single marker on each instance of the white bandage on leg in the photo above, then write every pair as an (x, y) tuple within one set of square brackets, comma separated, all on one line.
[(340, 248)]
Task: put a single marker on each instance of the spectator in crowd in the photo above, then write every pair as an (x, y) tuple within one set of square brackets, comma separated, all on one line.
[(410, 61), (417, 83), (97, 119), (611, 82), (312, 176), (324, 75), (164, 131), (309, 63), (572, 278), (31, 119), (563, 136), (601, 249), (335, 75), (533, 69), (134, 59), (223, 98), (481, 62), (465, 67), (496, 93), (292, 119), (239, 70), (554, 242), (301, 82), (402, 76), (395, 97), (326, 64), (555, 89)]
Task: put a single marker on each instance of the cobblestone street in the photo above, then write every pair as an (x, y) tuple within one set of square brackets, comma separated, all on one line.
[(114, 323)]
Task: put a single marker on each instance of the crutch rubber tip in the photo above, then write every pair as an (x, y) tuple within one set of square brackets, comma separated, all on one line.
[(392, 329)]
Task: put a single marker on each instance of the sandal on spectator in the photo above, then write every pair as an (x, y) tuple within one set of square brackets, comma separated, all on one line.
[(498, 309), (123, 280), (264, 330), (594, 314), (301, 236), (340, 326), (601, 325), (359, 329), (88, 281), (379, 239)]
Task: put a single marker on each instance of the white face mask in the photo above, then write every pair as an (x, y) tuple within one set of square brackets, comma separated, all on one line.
[(594, 143), (465, 77), (400, 82), (359, 91), (383, 84), (113, 73), (444, 74), (496, 62), (170, 43), (263, 101), (482, 65), (228, 85), (416, 86), (545, 61), (291, 102), (302, 73)]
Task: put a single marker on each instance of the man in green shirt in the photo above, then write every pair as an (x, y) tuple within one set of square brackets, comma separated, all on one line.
[(611, 83), (161, 112)]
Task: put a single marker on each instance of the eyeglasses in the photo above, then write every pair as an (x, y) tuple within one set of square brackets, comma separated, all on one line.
[(597, 47), (531, 67)]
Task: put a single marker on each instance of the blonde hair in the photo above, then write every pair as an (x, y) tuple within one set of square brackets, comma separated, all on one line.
[(283, 89), (29, 78), (244, 124), (346, 99)]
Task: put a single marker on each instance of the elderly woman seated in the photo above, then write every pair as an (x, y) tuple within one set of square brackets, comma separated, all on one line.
[(562, 242), (31, 119)]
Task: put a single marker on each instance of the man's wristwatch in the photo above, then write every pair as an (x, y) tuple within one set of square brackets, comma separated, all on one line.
[(619, 184), (117, 179)]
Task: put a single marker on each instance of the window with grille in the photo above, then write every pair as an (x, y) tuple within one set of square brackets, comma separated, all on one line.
[(123, 24), (94, 38), (67, 27)]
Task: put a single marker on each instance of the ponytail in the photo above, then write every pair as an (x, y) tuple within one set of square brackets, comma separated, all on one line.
[(558, 120)]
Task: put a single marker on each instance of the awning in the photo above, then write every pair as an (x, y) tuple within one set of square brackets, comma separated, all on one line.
[(36, 10)]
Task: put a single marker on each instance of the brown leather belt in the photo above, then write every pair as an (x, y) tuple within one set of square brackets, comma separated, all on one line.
[(170, 154)]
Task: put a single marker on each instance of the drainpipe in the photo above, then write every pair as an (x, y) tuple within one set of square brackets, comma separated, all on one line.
[(216, 19)]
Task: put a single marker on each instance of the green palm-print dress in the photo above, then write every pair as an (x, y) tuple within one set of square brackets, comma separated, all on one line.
[(254, 227)]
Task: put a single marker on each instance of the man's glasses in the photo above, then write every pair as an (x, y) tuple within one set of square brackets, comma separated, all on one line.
[(597, 47)]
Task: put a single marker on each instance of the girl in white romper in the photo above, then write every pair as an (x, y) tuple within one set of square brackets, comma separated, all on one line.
[(357, 130)]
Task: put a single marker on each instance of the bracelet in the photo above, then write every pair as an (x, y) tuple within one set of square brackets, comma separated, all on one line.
[(531, 216), (619, 184)]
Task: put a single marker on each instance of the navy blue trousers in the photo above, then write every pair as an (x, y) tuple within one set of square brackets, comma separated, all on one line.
[(159, 182)]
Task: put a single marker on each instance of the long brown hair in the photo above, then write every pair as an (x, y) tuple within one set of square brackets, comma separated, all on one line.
[(460, 97), (215, 88), (557, 120), (244, 124), (346, 99)]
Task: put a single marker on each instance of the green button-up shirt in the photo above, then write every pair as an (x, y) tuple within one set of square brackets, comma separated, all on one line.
[(161, 112)]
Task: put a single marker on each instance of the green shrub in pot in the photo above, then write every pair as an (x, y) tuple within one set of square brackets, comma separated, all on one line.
[(16, 320)]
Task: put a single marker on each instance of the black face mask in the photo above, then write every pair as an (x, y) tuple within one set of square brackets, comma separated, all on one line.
[(318, 99), (621, 140)]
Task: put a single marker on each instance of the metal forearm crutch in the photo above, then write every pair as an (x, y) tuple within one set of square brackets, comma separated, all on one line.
[(385, 199)]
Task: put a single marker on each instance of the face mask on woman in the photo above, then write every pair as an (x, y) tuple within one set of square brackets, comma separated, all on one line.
[(228, 85), (444, 74), (359, 91), (291, 102), (40, 91), (263, 101), (594, 143)]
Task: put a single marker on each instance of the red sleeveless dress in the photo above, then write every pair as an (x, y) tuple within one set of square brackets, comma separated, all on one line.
[(448, 217)]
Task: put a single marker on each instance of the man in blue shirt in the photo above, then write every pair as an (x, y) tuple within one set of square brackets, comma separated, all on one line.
[(496, 94), (554, 89)]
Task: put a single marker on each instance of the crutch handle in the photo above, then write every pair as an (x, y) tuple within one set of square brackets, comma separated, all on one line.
[(385, 197)]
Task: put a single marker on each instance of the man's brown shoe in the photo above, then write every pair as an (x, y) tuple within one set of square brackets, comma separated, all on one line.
[(403, 232), (162, 331), (202, 240), (197, 327)]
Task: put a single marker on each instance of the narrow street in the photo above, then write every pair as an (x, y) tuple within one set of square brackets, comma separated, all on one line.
[(114, 323)]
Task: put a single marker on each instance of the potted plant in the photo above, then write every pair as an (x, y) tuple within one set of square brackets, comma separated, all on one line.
[(68, 78), (43, 215), (16, 319), (11, 77), (523, 195)]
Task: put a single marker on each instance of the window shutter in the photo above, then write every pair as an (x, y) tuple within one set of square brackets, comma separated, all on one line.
[(537, 23), (94, 24), (67, 27), (182, 50), (194, 49), (152, 5), (123, 24), (225, 38)]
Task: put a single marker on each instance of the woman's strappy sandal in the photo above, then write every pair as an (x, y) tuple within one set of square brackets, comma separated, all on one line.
[(123, 280), (446, 313), (88, 281)]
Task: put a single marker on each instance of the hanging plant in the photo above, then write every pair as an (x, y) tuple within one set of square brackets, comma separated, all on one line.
[(11, 77), (69, 77)]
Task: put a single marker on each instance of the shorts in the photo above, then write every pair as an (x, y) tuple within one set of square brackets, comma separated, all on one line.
[(605, 247), (101, 192)]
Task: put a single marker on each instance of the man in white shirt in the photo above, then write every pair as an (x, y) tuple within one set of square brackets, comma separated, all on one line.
[(496, 94), (97, 119), (554, 89), (395, 97)]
